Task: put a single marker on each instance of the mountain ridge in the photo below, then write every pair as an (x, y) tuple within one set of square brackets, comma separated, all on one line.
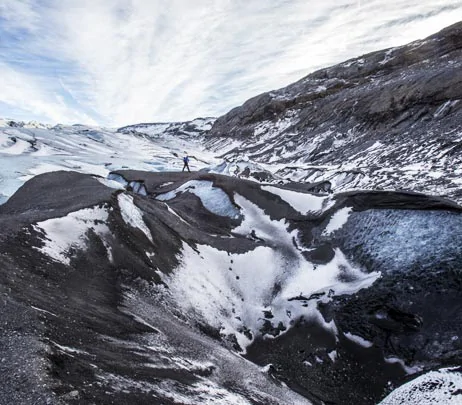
[(386, 120)]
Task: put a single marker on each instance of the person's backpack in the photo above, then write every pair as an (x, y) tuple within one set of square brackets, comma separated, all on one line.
[(185, 159)]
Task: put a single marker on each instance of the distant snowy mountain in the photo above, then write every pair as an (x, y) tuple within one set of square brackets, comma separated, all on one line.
[(21, 124), (289, 267), (186, 130)]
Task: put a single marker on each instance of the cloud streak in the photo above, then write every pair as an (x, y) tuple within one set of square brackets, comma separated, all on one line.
[(115, 62)]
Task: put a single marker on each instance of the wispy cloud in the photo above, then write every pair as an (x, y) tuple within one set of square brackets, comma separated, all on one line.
[(115, 62)]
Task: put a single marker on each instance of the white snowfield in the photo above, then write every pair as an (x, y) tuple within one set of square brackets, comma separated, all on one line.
[(35, 149)]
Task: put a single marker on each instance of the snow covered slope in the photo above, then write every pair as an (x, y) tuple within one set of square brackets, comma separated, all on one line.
[(164, 295), (28, 150), (386, 120)]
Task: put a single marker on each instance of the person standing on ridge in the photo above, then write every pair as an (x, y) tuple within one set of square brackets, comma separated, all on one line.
[(186, 163)]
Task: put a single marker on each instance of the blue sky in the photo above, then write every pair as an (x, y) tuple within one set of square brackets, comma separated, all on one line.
[(117, 62)]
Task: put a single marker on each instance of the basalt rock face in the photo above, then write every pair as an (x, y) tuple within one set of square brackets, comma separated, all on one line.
[(114, 297), (389, 119)]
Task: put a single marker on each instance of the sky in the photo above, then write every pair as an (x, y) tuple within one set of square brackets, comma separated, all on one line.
[(118, 62)]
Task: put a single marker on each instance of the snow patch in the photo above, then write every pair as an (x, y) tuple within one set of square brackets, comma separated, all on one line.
[(44, 311), (132, 215), (69, 350), (255, 222), (407, 369), (339, 219), (333, 355), (304, 203), (359, 340), (61, 235)]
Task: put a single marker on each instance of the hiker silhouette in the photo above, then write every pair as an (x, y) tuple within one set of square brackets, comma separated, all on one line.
[(186, 163)]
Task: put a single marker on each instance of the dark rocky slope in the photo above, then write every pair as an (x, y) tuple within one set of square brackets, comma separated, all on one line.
[(389, 119), (111, 297)]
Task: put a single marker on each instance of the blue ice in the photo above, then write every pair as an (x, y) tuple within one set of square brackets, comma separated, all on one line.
[(396, 240), (118, 178), (95, 135), (138, 188), (213, 199)]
